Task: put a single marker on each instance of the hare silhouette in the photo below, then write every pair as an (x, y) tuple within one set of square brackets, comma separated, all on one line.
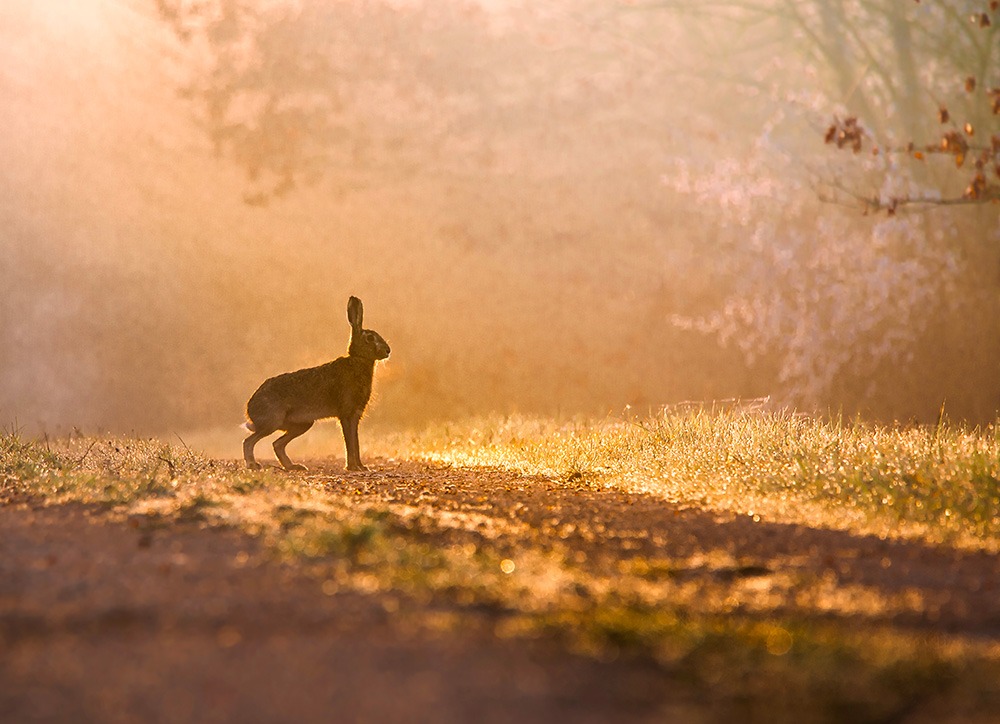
[(293, 401)]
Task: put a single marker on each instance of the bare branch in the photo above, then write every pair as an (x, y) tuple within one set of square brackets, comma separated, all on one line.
[(874, 203)]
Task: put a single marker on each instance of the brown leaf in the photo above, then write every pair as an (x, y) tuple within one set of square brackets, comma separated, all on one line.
[(954, 142), (984, 21), (959, 159), (976, 188), (970, 84), (994, 94), (918, 155), (943, 114), (969, 130), (845, 133)]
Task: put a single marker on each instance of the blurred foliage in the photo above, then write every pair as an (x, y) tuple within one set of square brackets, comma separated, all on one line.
[(546, 208), (288, 92), (972, 134), (282, 98), (294, 92)]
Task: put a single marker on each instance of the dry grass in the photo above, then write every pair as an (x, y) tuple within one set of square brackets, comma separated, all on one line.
[(940, 483), (431, 553)]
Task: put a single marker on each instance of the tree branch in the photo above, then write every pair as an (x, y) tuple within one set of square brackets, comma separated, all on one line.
[(875, 203)]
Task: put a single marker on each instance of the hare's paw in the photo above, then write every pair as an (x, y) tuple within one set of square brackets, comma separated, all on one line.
[(253, 465), (359, 468), (295, 467)]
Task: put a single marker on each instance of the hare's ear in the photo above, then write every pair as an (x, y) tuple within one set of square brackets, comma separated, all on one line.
[(355, 313)]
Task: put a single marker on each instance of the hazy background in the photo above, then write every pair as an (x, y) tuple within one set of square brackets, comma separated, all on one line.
[(559, 207)]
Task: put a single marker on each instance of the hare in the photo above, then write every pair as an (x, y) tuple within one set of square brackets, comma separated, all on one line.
[(292, 402)]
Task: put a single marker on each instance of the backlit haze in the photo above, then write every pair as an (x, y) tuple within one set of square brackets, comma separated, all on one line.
[(558, 208)]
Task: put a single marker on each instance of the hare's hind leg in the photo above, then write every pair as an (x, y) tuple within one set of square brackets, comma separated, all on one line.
[(250, 442), (292, 432)]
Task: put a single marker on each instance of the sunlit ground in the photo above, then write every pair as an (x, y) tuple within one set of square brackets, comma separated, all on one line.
[(842, 567), (937, 483)]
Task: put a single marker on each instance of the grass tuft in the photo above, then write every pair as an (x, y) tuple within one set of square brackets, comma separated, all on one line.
[(939, 482)]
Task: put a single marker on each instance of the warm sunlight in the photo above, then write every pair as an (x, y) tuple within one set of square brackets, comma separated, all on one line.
[(68, 22), (499, 360)]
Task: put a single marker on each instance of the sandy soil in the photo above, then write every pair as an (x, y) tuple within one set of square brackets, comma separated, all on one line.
[(103, 620)]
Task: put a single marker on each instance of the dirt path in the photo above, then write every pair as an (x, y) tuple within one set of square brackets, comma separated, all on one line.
[(947, 589), (106, 622), (97, 625)]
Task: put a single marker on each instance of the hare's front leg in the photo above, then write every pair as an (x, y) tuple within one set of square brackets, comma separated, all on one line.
[(350, 428)]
